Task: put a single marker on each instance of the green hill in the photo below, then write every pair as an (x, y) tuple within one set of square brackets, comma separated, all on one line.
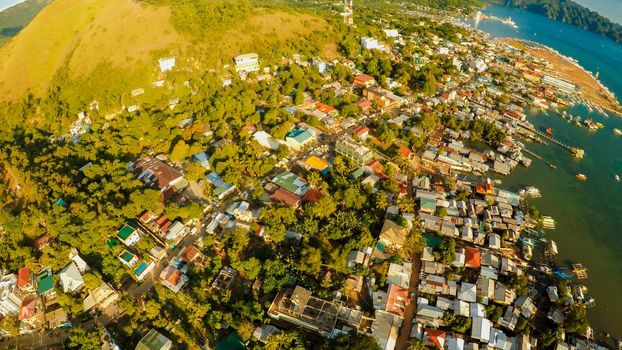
[(102, 49), (15, 18)]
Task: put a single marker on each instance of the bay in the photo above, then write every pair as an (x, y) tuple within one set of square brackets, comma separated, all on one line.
[(588, 214)]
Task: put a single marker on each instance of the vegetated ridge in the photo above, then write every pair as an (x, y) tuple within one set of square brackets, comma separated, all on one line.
[(15, 18), (572, 13), (101, 49)]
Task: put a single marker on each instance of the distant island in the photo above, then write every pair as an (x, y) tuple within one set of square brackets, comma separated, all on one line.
[(572, 13)]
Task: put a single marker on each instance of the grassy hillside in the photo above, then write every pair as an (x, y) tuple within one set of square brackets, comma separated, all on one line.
[(102, 49), (14, 19)]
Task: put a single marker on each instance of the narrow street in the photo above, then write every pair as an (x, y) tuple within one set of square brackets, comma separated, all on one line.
[(409, 313)]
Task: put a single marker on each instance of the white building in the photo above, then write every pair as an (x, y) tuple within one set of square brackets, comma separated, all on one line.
[(9, 300), (371, 44), (480, 329), (247, 63), (391, 33), (385, 329), (167, 64), (70, 278), (399, 274), (266, 140)]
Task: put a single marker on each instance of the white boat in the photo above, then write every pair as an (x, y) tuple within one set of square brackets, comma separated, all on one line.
[(552, 247), (617, 177), (617, 131), (527, 252)]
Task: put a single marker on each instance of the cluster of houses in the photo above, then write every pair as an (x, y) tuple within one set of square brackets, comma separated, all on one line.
[(33, 296), (175, 275), (484, 223)]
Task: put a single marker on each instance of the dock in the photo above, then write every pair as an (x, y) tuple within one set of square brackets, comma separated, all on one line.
[(548, 223), (579, 270), (552, 139), (574, 150)]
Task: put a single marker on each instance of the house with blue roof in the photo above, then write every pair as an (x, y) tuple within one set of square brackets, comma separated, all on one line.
[(221, 188), (297, 138), (203, 159)]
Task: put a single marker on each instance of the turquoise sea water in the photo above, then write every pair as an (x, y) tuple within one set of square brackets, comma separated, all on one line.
[(588, 214)]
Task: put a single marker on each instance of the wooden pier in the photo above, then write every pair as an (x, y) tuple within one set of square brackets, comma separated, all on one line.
[(531, 153), (552, 139)]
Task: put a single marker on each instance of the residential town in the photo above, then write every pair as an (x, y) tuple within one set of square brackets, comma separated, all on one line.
[(392, 199)]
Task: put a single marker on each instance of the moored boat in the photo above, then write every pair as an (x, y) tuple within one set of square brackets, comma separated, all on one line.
[(527, 252), (617, 131)]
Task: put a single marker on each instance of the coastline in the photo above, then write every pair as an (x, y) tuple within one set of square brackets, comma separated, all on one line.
[(593, 90)]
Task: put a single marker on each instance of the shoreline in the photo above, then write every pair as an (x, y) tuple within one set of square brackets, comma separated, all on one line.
[(568, 68)]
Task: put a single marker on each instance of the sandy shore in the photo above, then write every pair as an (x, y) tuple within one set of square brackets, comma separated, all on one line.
[(565, 69)]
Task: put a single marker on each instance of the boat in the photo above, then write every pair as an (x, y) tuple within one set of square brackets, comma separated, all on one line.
[(552, 248), (617, 131), (577, 152), (581, 177), (549, 131), (527, 252), (553, 166), (617, 177), (589, 301)]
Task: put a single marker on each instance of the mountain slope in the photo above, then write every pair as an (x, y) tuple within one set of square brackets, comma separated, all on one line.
[(89, 48), (15, 18), (572, 13)]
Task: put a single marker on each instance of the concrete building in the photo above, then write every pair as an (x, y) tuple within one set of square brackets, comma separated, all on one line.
[(351, 150), (247, 63), (154, 340)]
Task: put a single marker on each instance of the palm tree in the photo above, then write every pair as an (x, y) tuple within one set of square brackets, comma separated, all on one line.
[(283, 340), (416, 344), (414, 242)]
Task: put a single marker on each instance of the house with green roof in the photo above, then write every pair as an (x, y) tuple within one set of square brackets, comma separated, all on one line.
[(291, 182), (128, 235), (154, 340), (45, 282), (427, 205), (297, 138), (128, 258)]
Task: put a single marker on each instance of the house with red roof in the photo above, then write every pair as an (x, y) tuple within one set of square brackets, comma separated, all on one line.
[(361, 132), (324, 108), (364, 105), (154, 172), (364, 81), (434, 338), (312, 195), (485, 188), (285, 197), (472, 257), (397, 300), (405, 152), (172, 278), (191, 255), (28, 310), (25, 280)]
